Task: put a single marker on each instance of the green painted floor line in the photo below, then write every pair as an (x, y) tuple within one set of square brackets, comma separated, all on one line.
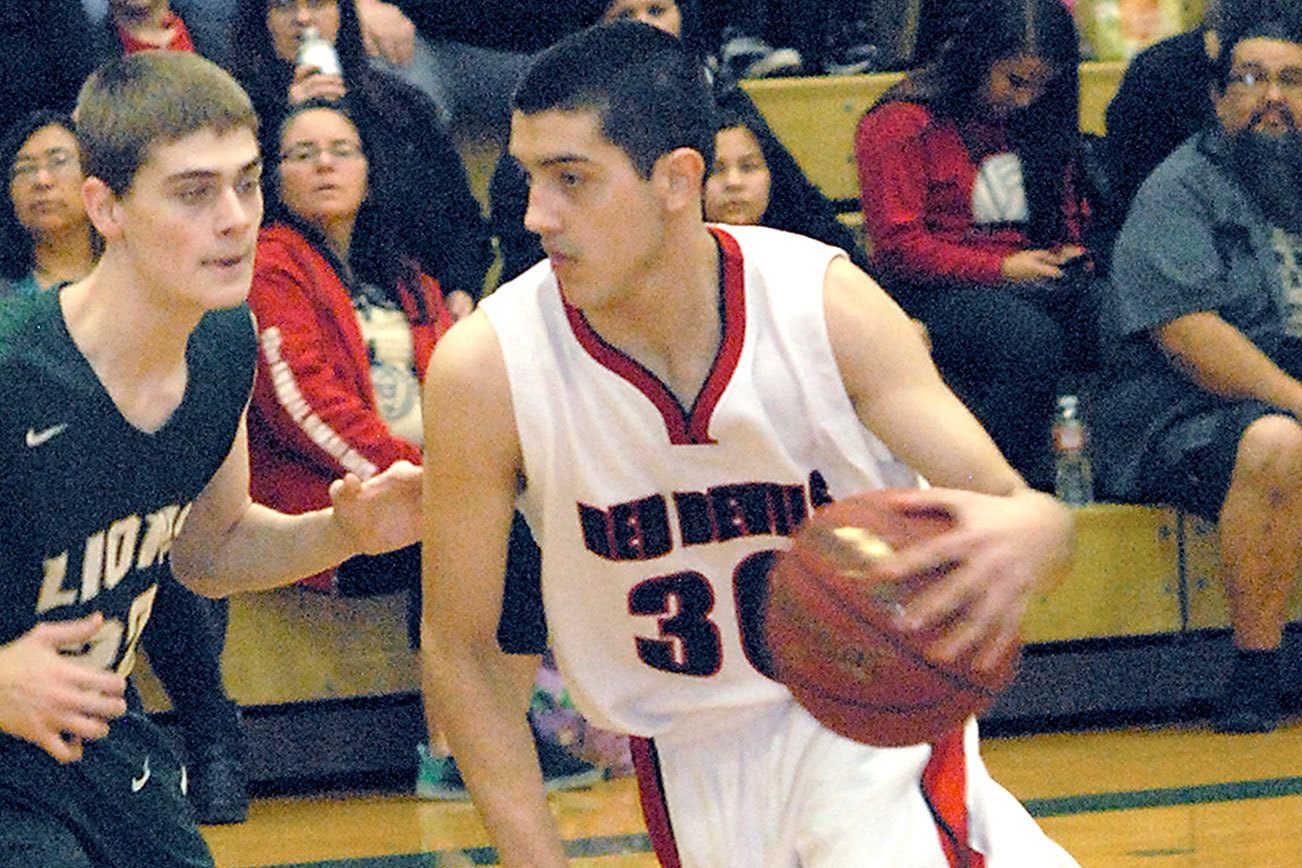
[(1201, 794), (608, 845)]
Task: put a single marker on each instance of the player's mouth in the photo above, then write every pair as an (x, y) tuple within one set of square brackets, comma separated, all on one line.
[(229, 263), (559, 258)]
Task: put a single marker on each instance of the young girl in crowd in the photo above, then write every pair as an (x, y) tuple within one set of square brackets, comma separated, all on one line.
[(974, 225), (754, 180), (45, 237), (440, 218)]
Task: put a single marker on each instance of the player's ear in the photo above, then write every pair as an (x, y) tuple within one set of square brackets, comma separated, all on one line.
[(103, 208), (680, 176)]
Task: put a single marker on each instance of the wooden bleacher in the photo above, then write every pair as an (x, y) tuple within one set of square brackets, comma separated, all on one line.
[(331, 689)]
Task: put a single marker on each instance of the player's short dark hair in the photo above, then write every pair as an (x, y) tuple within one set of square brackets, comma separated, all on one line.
[(134, 103), (1285, 25), (651, 94)]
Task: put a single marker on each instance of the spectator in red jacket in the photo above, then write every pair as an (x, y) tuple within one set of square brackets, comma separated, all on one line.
[(972, 221), (345, 333)]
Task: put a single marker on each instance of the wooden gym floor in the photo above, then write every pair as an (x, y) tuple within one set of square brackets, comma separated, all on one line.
[(1174, 797)]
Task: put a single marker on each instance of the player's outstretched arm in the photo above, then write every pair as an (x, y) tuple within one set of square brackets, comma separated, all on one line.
[(52, 699), (1007, 538), (474, 693), (229, 543)]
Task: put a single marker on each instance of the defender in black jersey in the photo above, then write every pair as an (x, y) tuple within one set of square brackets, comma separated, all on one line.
[(122, 401)]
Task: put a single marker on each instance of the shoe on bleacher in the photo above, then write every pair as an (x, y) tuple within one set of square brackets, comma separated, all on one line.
[(561, 769), (438, 779), (1250, 700), (849, 51), (743, 56)]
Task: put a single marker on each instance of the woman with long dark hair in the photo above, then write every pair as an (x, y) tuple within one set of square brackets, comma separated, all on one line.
[(345, 333), (755, 180), (973, 221), (437, 213)]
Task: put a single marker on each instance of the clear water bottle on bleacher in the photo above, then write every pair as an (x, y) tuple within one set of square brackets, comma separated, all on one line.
[(1072, 480)]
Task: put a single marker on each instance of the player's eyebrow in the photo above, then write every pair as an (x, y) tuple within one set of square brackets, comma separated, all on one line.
[(561, 160), (253, 165), (566, 158)]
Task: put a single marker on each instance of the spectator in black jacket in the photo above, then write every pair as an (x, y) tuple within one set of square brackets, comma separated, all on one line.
[(46, 52)]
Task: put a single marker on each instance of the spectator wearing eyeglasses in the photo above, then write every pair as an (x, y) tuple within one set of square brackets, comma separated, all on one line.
[(45, 236), (1165, 97), (440, 220), (1203, 387), (346, 324)]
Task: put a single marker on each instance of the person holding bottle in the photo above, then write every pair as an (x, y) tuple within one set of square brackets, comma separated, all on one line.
[(440, 217)]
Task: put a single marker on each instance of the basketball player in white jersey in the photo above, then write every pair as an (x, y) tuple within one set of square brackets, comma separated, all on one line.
[(665, 401)]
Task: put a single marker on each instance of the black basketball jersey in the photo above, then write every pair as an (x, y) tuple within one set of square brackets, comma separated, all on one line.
[(89, 504)]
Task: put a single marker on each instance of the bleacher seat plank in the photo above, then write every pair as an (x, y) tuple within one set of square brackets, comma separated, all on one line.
[(1124, 580), (295, 645)]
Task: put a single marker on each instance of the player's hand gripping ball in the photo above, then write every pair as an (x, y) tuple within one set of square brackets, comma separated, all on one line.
[(830, 628)]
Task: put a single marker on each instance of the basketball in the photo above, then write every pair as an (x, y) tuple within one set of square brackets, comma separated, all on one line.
[(829, 629)]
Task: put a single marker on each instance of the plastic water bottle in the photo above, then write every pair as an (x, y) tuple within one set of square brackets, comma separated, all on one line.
[(315, 51), (1072, 480)]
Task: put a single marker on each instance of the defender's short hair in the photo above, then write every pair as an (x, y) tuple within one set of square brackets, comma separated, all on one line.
[(133, 103), (651, 94)]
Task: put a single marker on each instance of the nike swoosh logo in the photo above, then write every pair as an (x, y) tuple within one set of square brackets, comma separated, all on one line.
[(36, 438), (138, 784)]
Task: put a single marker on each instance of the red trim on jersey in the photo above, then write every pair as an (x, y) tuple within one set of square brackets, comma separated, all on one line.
[(655, 807), (684, 428), (944, 783)]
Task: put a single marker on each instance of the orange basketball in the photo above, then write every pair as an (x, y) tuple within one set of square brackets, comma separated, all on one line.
[(829, 627)]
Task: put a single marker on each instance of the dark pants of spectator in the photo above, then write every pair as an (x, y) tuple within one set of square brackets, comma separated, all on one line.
[(1004, 351), (808, 25), (389, 573), (184, 640), (522, 628)]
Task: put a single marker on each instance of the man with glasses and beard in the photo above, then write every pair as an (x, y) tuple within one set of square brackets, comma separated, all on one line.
[(1204, 315)]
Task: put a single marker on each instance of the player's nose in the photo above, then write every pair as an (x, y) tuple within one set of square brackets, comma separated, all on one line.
[(540, 216)]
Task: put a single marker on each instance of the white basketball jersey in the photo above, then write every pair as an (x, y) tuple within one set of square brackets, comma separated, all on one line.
[(657, 522)]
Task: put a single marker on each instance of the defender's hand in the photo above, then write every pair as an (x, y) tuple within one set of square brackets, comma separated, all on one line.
[(381, 514)]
